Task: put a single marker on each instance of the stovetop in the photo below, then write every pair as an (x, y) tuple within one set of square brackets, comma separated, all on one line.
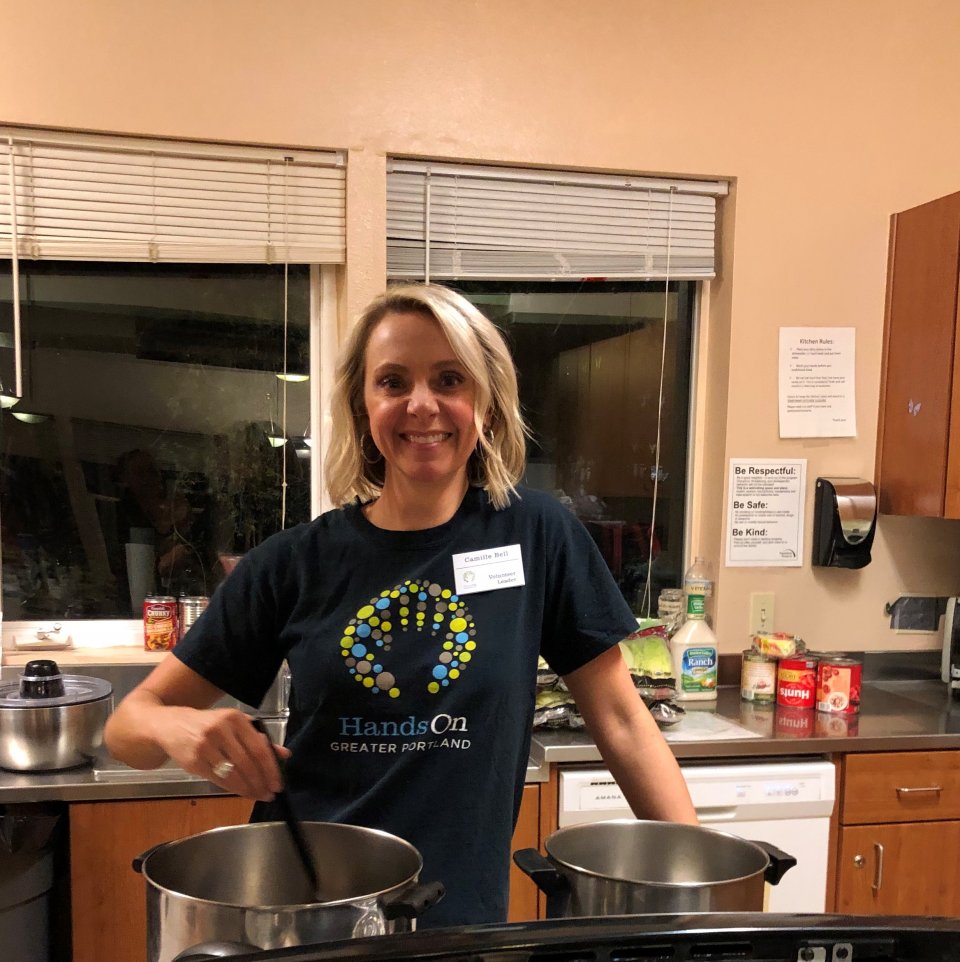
[(757, 937)]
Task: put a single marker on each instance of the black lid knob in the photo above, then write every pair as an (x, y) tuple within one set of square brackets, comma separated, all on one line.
[(41, 668), (41, 679)]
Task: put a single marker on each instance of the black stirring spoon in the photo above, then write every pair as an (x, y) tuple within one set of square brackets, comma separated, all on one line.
[(294, 828)]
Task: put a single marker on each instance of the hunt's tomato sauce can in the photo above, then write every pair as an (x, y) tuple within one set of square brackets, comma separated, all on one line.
[(797, 682), (838, 685), (159, 623)]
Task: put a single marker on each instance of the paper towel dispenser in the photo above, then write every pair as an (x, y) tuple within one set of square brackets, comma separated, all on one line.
[(844, 522)]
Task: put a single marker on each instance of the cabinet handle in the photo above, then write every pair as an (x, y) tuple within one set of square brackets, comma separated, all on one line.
[(878, 871), (937, 789)]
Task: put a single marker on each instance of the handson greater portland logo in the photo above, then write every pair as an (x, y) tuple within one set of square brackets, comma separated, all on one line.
[(418, 606)]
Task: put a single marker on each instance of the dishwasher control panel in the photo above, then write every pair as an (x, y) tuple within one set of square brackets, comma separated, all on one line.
[(802, 789)]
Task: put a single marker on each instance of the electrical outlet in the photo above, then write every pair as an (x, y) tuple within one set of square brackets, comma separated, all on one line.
[(761, 611)]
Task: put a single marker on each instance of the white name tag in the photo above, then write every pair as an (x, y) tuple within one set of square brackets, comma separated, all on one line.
[(488, 569)]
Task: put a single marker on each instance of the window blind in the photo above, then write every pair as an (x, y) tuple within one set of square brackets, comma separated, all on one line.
[(101, 198), (448, 221)]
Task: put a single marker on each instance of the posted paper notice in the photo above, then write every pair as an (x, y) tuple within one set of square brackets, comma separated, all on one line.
[(817, 392), (765, 512)]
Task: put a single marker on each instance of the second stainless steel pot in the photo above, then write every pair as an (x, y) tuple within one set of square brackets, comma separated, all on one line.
[(242, 884), (50, 721), (627, 867)]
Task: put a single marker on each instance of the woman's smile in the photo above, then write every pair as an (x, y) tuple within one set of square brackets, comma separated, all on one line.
[(425, 438)]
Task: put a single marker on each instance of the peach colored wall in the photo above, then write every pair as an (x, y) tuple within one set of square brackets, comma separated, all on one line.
[(830, 115)]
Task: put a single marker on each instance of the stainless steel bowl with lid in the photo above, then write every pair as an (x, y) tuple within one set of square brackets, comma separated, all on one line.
[(50, 721)]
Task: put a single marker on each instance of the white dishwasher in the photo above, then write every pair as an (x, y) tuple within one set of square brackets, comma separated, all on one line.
[(786, 803)]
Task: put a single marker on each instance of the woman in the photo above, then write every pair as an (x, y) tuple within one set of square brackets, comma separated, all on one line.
[(411, 619)]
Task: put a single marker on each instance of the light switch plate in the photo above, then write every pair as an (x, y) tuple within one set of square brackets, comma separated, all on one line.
[(761, 611)]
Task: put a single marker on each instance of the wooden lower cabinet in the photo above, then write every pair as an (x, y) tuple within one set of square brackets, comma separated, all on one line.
[(108, 899), (898, 834), (523, 893), (900, 869)]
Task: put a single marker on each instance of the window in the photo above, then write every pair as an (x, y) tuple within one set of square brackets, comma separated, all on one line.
[(150, 302), (593, 279), (588, 357), (148, 450)]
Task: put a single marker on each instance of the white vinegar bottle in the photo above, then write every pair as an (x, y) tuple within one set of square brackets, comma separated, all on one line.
[(693, 648)]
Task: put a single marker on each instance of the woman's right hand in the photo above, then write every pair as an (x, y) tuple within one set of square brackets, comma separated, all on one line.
[(168, 716), (222, 746)]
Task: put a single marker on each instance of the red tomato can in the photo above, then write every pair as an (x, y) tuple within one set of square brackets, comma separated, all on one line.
[(838, 685), (794, 722), (797, 682), (159, 623)]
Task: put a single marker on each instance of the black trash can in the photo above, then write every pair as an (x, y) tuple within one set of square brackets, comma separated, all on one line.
[(27, 856)]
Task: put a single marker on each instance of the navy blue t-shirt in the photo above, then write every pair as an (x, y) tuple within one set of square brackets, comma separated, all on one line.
[(411, 706)]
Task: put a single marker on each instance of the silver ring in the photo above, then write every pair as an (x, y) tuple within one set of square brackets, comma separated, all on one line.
[(223, 769)]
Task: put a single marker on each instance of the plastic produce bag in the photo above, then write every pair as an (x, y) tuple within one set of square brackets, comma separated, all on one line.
[(556, 709), (647, 654)]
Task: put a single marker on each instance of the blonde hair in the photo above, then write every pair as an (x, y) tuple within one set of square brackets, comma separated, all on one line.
[(498, 462)]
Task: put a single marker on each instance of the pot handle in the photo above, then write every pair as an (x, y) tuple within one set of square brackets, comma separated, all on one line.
[(780, 863), (413, 902), (542, 873), (138, 861)]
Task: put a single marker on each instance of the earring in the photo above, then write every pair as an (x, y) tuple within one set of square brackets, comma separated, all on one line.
[(363, 449)]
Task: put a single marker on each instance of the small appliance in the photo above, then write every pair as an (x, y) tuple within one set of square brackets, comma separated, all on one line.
[(950, 658)]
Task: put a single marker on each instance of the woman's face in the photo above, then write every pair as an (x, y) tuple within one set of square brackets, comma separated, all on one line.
[(419, 400)]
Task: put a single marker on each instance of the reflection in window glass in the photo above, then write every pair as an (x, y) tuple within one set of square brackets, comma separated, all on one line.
[(147, 451), (589, 362)]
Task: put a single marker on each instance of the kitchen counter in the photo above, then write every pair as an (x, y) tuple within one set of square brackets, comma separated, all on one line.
[(895, 715), (107, 780)]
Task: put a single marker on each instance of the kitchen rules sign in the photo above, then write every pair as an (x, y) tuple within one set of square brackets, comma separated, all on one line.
[(765, 512)]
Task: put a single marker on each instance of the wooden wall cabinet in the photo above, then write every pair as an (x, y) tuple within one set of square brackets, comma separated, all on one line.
[(918, 435), (899, 834)]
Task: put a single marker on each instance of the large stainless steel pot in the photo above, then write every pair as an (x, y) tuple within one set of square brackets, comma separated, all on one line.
[(243, 885), (627, 867), (50, 721)]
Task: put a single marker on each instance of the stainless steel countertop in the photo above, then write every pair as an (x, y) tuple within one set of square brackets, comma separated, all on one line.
[(894, 716), (107, 780)]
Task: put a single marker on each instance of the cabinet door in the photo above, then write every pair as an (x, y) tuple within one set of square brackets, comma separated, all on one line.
[(918, 359), (108, 899), (523, 893), (907, 869)]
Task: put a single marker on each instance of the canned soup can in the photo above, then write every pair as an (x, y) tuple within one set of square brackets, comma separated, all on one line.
[(159, 623), (838, 685), (797, 682), (191, 607)]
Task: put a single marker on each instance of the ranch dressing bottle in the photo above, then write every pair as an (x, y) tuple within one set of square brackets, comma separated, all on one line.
[(693, 648)]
